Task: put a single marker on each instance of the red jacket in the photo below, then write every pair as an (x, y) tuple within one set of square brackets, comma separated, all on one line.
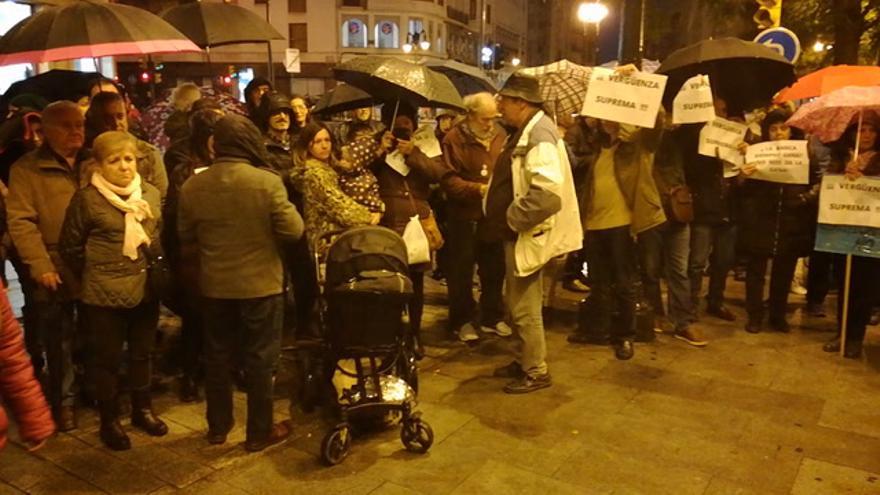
[(19, 389)]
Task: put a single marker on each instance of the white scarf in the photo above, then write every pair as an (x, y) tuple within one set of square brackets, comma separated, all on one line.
[(135, 208)]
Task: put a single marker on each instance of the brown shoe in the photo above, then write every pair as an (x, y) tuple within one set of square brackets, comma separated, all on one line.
[(280, 432), (65, 418), (692, 335)]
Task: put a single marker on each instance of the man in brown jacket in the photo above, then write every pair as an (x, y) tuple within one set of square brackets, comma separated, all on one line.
[(470, 150), (41, 185)]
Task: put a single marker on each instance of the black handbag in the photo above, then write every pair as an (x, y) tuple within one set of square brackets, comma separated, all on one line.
[(159, 278)]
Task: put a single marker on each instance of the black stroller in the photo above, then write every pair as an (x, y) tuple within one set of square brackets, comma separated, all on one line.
[(365, 290)]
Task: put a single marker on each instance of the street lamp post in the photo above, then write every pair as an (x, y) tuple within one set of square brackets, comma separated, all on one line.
[(416, 41), (592, 13)]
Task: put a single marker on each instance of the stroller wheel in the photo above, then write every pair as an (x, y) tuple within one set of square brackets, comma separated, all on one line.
[(416, 435), (336, 445)]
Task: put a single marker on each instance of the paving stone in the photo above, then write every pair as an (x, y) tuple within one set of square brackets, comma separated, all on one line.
[(823, 477), (608, 471), (497, 477), (9, 489), (292, 471), (818, 442), (389, 488), (98, 467), (720, 486)]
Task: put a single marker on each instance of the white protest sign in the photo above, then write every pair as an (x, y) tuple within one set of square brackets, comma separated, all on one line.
[(730, 170), (721, 137), (397, 161), (850, 202), (780, 161), (425, 139), (628, 99), (694, 103)]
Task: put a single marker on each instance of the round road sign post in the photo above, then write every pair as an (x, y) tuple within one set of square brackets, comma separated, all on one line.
[(782, 40)]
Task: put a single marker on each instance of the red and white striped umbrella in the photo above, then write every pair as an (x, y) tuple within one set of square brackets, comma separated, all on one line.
[(89, 29)]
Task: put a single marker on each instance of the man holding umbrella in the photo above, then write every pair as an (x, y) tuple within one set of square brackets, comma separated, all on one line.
[(531, 207)]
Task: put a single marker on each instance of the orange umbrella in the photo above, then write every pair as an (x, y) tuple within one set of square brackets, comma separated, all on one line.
[(826, 80)]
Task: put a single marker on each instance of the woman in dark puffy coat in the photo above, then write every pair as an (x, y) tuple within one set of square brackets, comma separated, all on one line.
[(19, 389), (778, 223), (109, 233), (407, 195)]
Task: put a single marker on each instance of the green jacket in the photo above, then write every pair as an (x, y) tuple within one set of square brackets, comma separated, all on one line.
[(91, 245), (633, 168), (237, 215)]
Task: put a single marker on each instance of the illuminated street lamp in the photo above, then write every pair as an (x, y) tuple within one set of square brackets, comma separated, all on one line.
[(592, 13), (515, 61), (414, 40)]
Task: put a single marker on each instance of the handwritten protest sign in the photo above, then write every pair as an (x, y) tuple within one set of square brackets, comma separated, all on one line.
[(628, 99), (426, 141), (720, 138), (850, 202), (693, 103), (780, 161), (397, 162)]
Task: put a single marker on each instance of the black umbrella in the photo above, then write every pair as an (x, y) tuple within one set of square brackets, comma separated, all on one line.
[(210, 24), (342, 98), (467, 79), (54, 85), (391, 79), (89, 29), (745, 74)]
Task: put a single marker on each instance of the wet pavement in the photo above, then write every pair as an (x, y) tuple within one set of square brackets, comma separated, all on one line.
[(749, 414)]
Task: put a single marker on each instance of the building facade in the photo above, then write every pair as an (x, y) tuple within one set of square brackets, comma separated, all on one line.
[(326, 32)]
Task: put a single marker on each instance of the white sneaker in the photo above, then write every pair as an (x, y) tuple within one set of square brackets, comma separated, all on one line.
[(467, 333), (501, 329)]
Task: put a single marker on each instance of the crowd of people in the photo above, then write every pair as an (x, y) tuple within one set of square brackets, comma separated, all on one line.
[(225, 227)]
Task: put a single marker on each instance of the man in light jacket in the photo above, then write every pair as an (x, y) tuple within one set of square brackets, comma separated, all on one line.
[(531, 206), (238, 215)]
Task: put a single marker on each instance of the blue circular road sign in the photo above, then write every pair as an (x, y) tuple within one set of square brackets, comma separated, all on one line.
[(782, 40)]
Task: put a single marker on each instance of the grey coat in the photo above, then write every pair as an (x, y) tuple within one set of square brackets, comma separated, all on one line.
[(237, 215)]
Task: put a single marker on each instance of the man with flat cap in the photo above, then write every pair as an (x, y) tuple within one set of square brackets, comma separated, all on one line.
[(530, 206)]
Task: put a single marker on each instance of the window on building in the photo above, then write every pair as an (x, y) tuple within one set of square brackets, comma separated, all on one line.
[(298, 34), (488, 14), (296, 6), (354, 3), (261, 2), (354, 33), (473, 9), (387, 34), (416, 25)]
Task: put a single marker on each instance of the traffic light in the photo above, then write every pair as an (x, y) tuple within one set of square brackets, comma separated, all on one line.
[(769, 13)]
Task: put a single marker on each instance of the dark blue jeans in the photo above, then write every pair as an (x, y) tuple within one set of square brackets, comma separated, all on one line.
[(719, 241), (611, 260), (251, 328)]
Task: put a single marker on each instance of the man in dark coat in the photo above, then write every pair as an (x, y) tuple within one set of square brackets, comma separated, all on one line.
[(237, 215)]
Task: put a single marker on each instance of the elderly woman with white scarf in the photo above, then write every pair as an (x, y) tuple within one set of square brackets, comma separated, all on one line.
[(109, 236)]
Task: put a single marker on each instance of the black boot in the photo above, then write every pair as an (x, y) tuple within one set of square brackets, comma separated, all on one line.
[(142, 414), (112, 433)]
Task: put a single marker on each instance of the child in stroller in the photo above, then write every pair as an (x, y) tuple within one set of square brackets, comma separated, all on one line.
[(364, 292)]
